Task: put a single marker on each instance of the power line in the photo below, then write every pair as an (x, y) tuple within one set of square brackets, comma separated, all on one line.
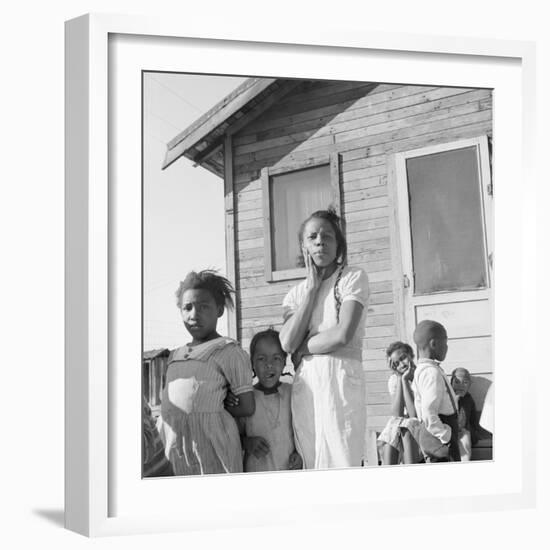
[(154, 288), (149, 112), (162, 141), (171, 90)]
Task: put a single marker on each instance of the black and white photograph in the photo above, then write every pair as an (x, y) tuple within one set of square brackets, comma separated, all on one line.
[(317, 274), (281, 269)]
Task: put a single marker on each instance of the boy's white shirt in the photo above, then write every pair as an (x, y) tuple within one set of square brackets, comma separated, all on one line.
[(431, 397)]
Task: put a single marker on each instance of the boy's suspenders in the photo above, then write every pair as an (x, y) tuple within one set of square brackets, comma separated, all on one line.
[(453, 403), (451, 398), (451, 420)]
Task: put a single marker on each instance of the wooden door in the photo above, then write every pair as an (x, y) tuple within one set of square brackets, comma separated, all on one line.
[(444, 213)]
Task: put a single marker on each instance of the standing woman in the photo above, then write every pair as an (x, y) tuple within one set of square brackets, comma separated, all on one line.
[(323, 322)]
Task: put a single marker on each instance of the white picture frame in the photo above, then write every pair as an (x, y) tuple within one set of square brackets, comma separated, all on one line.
[(99, 499)]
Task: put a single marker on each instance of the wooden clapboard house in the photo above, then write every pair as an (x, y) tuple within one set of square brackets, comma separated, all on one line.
[(409, 169)]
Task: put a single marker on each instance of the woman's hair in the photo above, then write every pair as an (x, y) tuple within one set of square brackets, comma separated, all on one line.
[(208, 279), (269, 334), (330, 215), (394, 346)]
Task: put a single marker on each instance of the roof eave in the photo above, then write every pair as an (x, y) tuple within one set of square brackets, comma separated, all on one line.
[(201, 142), (199, 131)]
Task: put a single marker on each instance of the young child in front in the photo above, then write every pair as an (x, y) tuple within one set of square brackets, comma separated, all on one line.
[(200, 435), (435, 401), (468, 420), (396, 442), (267, 437)]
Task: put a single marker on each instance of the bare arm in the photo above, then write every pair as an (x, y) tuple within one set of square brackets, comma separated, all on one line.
[(397, 403), (335, 337), (246, 406), (408, 397), (296, 325)]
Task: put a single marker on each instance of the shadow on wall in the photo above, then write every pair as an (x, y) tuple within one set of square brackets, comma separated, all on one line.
[(478, 390)]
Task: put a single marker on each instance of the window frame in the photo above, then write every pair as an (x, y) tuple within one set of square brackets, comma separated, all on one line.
[(485, 190), (403, 280), (333, 162)]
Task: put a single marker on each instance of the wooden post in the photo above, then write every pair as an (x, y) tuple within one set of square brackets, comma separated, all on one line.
[(145, 380), (268, 267), (151, 381), (230, 250), (396, 258), (154, 377), (335, 182)]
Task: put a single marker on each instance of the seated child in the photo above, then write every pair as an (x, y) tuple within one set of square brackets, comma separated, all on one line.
[(435, 400), (395, 442), (267, 435), (468, 424)]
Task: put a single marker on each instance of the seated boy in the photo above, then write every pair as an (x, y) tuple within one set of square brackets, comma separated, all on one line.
[(468, 424), (435, 400)]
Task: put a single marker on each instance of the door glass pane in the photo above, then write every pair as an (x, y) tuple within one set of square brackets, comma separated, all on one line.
[(294, 196), (446, 221)]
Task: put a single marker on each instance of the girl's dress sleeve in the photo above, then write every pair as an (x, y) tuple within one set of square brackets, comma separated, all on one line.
[(235, 365), (241, 424), (355, 286)]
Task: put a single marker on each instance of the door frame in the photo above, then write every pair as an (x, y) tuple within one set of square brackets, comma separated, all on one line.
[(400, 234)]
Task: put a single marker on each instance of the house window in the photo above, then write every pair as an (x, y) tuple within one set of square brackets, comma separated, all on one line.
[(289, 198), (446, 215)]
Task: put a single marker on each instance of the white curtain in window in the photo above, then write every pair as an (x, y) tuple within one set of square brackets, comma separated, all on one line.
[(294, 197)]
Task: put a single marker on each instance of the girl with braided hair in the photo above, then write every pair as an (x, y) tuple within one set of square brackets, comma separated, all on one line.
[(324, 316)]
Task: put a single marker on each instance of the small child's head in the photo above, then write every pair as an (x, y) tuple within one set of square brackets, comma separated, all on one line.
[(461, 381), (322, 236), (201, 298), (400, 356), (268, 357), (431, 339)]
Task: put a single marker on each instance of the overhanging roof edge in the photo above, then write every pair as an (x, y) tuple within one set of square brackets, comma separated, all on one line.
[(213, 118)]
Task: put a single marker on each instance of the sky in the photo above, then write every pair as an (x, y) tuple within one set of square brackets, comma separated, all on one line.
[(183, 206)]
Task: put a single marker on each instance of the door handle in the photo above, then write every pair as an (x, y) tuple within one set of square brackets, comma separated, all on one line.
[(406, 281)]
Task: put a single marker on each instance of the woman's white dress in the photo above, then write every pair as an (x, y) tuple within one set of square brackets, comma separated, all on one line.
[(328, 393)]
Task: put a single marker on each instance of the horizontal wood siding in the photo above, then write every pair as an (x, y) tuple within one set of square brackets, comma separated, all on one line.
[(363, 123)]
